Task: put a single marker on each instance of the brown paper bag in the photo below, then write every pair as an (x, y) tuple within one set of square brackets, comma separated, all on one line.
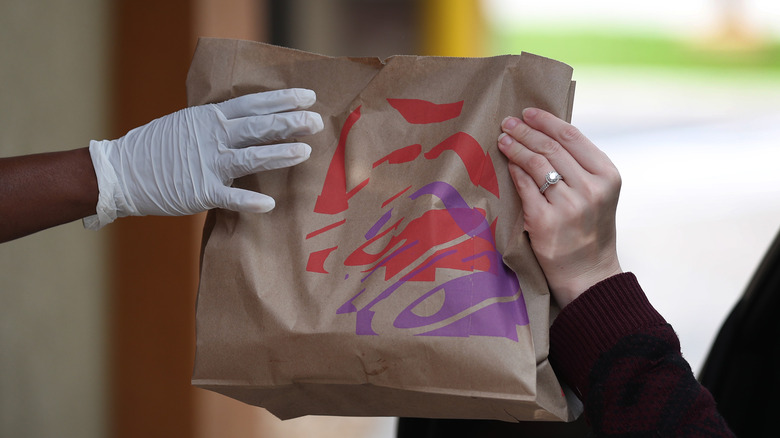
[(393, 278)]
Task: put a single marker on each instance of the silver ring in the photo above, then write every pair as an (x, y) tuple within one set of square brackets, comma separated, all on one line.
[(550, 179)]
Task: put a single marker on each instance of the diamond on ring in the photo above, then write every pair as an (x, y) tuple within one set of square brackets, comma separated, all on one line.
[(551, 178)]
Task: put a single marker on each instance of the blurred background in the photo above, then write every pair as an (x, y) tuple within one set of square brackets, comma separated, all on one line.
[(97, 329)]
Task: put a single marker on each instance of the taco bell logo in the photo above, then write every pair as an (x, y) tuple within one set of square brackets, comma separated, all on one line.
[(479, 296)]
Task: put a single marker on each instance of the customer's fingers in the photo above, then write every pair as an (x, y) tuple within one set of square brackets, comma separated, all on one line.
[(587, 155), (557, 157), (534, 203), (534, 165)]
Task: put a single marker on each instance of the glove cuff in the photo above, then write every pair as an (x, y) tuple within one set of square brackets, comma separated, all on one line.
[(111, 200)]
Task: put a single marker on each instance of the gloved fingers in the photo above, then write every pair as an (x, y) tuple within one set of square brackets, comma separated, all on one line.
[(242, 162), (241, 200), (267, 102), (247, 131)]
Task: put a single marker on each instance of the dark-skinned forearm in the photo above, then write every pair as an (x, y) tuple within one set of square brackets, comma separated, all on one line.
[(44, 190)]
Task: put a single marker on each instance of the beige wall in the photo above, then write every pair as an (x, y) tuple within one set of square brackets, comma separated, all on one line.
[(52, 97)]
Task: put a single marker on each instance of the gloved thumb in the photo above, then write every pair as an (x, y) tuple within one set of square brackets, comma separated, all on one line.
[(245, 201)]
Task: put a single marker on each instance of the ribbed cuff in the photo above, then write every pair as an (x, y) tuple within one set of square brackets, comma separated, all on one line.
[(594, 322)]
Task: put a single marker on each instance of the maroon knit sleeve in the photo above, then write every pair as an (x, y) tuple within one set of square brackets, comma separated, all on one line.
[(624, 361)]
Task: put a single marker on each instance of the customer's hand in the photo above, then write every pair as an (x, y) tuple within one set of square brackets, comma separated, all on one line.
[(571, 226), (185, 162)]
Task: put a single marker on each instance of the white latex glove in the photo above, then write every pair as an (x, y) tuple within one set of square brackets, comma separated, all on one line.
[(185, 162)]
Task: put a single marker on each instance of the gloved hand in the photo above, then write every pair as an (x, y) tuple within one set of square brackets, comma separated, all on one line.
[(185, 162)]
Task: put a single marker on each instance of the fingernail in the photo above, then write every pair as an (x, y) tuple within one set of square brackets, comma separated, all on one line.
[(510, 122), (504, 139), (530, 112)]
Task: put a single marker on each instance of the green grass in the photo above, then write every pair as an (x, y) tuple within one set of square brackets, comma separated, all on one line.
[(602, 48)]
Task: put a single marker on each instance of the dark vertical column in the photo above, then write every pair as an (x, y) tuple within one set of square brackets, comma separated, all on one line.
[(153, 260)]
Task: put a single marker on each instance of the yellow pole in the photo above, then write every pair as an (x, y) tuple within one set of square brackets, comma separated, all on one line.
[(452, 28)]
